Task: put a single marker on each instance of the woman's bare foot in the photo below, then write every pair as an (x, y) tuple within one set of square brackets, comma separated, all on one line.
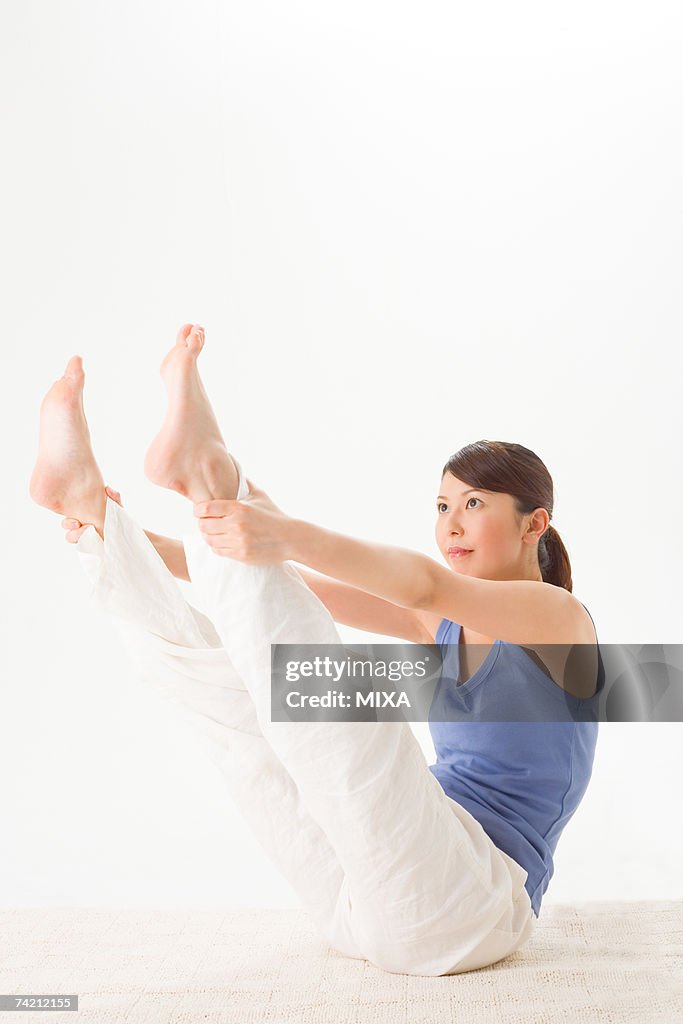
[(66, 477), (75, 528), (189, 455)]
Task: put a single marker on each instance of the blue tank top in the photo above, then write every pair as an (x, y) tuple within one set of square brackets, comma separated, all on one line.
[(521, 780)]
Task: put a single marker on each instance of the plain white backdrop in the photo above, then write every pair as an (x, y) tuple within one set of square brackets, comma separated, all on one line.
[(404, 227)]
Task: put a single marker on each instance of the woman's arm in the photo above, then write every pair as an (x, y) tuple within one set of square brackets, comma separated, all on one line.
[(517, 611), (353, 607)]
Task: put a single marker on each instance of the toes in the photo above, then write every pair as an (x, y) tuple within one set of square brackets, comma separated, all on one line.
[(195, 339), (74, 368), (181, 336)]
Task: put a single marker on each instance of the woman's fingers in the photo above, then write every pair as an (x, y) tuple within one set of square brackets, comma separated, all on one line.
[(216, 507), (72, 537), (114, 495), (218, 525)]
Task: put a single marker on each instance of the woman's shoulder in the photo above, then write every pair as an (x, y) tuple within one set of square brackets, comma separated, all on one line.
[(589, 628)]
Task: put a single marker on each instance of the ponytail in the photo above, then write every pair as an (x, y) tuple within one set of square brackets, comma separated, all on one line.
[(554, 560)]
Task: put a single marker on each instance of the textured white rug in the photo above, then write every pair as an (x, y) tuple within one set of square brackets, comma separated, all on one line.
[(611, 962)]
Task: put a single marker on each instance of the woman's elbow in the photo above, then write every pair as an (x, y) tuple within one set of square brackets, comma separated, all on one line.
[(424, 590)]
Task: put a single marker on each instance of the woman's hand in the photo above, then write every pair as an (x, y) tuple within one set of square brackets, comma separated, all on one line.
[(75, 529), (252, 530)]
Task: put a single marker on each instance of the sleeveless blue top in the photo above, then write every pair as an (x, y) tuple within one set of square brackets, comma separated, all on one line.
[(521, 780)]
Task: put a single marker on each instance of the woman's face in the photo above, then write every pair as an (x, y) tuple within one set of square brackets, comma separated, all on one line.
[(487, 525)]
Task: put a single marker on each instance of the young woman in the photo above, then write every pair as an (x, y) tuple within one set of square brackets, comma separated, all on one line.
[(420, 871)]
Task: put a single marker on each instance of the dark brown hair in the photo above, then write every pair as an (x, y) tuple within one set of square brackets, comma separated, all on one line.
[(512, 469)]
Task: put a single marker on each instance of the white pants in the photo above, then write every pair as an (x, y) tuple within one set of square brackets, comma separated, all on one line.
[(391, 869)]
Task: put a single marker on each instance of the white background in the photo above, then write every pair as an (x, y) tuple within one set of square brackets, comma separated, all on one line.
[(404, 227)]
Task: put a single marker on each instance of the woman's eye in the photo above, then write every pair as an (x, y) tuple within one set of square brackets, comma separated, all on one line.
[(442, 504)]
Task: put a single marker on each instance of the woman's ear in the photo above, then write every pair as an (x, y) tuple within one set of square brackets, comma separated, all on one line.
[(537, 525)]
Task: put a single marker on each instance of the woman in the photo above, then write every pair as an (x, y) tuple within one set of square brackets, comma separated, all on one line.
[(421, 872)]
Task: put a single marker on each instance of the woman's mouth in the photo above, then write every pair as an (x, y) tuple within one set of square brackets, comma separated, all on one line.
[(459, 552)]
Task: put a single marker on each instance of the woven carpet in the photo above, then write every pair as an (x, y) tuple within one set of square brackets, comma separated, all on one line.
[(610, 962)]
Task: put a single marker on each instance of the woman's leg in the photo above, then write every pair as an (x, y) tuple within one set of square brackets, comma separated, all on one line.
[(428, 891), (177, 649)]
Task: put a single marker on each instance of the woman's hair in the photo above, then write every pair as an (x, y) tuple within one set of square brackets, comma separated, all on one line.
[(512, 469)]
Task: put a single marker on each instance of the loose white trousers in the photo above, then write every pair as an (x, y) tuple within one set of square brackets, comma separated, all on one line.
[(390, 868)]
